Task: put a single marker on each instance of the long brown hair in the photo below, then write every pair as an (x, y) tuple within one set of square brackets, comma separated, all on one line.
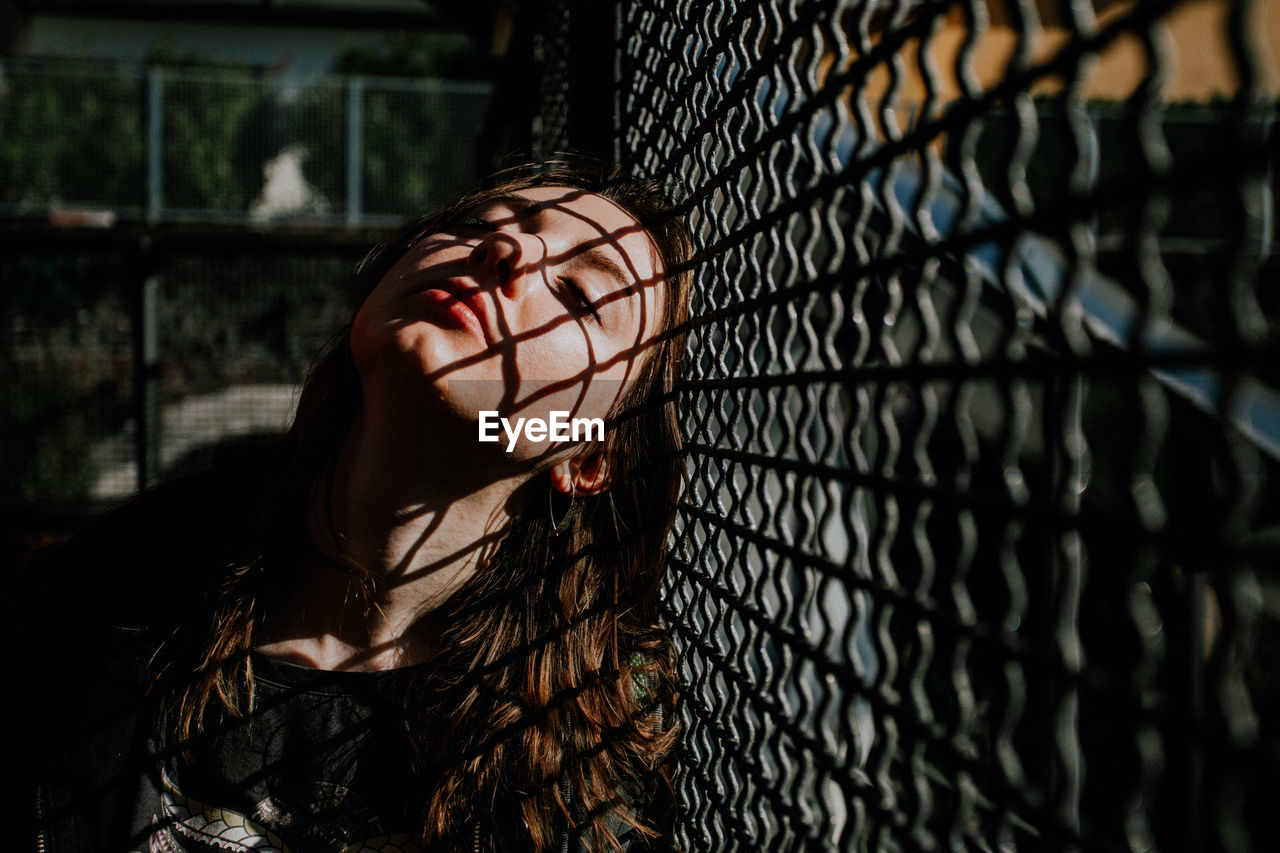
[(556, 678)]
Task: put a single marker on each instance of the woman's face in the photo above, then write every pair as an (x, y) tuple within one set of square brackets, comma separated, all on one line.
[(543, 300)]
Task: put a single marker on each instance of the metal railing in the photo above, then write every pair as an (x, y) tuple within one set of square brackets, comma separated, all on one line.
[(165, 144), (979, 546)]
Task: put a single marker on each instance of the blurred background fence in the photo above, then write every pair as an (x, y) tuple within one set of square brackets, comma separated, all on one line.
[(179, 238), (980, 542), (359, 151)]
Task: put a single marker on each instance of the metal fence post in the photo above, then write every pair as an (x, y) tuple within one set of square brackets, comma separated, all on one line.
[(355, 150), (155, 143), (146, 357)]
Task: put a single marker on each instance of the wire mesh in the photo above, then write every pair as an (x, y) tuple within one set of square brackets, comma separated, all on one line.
[(978, 547), (67, 374), (420, 144), (551, 50), (979, 543), (235, 323), (234, 338), (101, 164)]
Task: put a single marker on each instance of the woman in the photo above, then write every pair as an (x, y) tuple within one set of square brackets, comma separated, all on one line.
[(400, 636)]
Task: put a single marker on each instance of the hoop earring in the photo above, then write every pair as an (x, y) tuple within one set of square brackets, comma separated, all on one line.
[(559, 528)]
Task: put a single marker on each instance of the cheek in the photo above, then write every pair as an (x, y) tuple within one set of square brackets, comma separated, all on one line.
[(559, 348), (371, 339), (381, 343), (361, 338)]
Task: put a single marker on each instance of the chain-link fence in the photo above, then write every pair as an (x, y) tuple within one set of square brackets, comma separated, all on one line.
[(980, 540), (979, 546), (200, 145)]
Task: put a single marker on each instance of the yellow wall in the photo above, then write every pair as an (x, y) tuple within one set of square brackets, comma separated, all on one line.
[(1197, 61)]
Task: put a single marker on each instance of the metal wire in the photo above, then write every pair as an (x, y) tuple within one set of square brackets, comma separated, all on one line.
[(978, 549), (980, 539)]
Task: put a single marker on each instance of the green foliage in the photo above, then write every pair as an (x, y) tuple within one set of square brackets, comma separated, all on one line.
[(415, 140), (413, 157), (65, 372), (71, 139), (74, 134), (165, 56), (77, 134), (421, 55), (317, 120), (47, 453), (216, 131), (216, 142), (406, 149)]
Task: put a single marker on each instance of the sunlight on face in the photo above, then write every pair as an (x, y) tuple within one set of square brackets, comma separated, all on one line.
[(543, 300)]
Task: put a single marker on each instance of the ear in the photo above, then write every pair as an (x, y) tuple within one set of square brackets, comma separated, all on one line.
[(587, 474)]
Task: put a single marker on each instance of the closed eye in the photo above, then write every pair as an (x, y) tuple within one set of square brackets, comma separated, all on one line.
[(475, 223), (583, 297)]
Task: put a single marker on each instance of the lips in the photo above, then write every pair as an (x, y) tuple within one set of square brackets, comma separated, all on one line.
[(469, 297)]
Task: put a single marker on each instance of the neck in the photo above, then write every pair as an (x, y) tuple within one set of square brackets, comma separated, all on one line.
[(416, 524)]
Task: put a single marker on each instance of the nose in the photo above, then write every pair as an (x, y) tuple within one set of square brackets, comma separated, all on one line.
[(510, 261)]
